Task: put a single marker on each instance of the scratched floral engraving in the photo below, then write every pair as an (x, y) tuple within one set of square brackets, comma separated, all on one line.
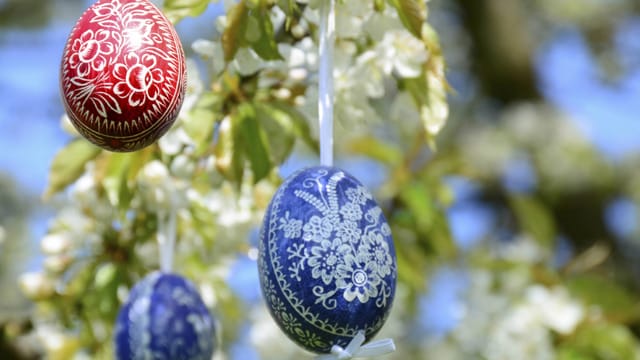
[(325, 245), (124, 73)]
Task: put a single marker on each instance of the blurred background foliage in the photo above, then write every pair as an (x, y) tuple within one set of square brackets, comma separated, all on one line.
[(515, 224)]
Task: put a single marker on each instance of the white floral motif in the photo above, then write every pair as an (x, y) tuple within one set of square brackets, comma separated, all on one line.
[(342, 255), (358, 277), (292, 227), (351, 211), (326, 259), (139, 79), (119, 59), (89, 52), (378, 252), (349, 231), (358, 195), (317, 229)]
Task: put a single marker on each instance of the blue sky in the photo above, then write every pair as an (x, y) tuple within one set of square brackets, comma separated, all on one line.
[(608, 112)]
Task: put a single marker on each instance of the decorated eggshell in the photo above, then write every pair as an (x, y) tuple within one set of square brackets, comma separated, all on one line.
[(327, 262), (123, 74), (164, 318)]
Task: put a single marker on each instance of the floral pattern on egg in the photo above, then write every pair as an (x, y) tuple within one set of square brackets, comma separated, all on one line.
[(164, 318), (327, 261), (123, 74)]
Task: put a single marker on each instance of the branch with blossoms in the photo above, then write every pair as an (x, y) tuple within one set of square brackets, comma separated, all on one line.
[(219, 165)]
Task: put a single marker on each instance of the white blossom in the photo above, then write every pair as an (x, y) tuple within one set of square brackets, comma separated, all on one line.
[(56, 243), (175, 140), (36, 285), (555, 308), (379, 23), (402, 53)]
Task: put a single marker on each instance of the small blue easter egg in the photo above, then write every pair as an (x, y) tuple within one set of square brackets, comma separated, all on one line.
[(164, 318), (326, 259)]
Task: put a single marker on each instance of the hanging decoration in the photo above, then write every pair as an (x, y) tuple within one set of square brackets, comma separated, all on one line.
[(123, 74), (164, 318), (326, 255)]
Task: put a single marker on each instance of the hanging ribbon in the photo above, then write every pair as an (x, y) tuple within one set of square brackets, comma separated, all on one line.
[(325, 81), (166, 238), (355, 349), (167, 229)]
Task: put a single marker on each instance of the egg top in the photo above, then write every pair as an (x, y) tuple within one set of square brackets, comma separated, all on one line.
[(123, 74), (164, 318), (327, 262)]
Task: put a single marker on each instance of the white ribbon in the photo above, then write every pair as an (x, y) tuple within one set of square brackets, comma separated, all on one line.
[(166, 239), (355, 349), (167, 232), (325, 80)]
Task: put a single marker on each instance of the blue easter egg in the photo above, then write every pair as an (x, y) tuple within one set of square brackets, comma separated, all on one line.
[(326, 259), (164, 318)]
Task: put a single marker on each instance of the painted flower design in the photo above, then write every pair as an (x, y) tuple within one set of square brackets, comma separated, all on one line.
[(90, 52), (358, 278), (292, 227), (358, 195), (310, 338), (374, 213), (326, 258), (138, 79), (104, 12), (385, 229), (289, 322), (351, 211), (349, 232), (378, 252), (317, 229)]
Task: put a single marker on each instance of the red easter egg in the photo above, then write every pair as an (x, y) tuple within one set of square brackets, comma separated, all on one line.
[(123, 74)]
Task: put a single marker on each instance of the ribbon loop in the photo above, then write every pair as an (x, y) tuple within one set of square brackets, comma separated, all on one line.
[(355, 349)]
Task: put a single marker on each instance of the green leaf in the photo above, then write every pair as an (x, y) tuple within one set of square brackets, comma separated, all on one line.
[(278, 132), (291, 10), (600, 341), (233, 36), (228, 161), (412, 14), (68, 164), (290, 120), (411, 265), (610, 297), (176, 10), (252, 140), (299, 124), (114, 179), (105, 275), (202, 224), (533, 218), (200, 124), (261, 36), (429, 221), (376, 149), (250, 25)]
